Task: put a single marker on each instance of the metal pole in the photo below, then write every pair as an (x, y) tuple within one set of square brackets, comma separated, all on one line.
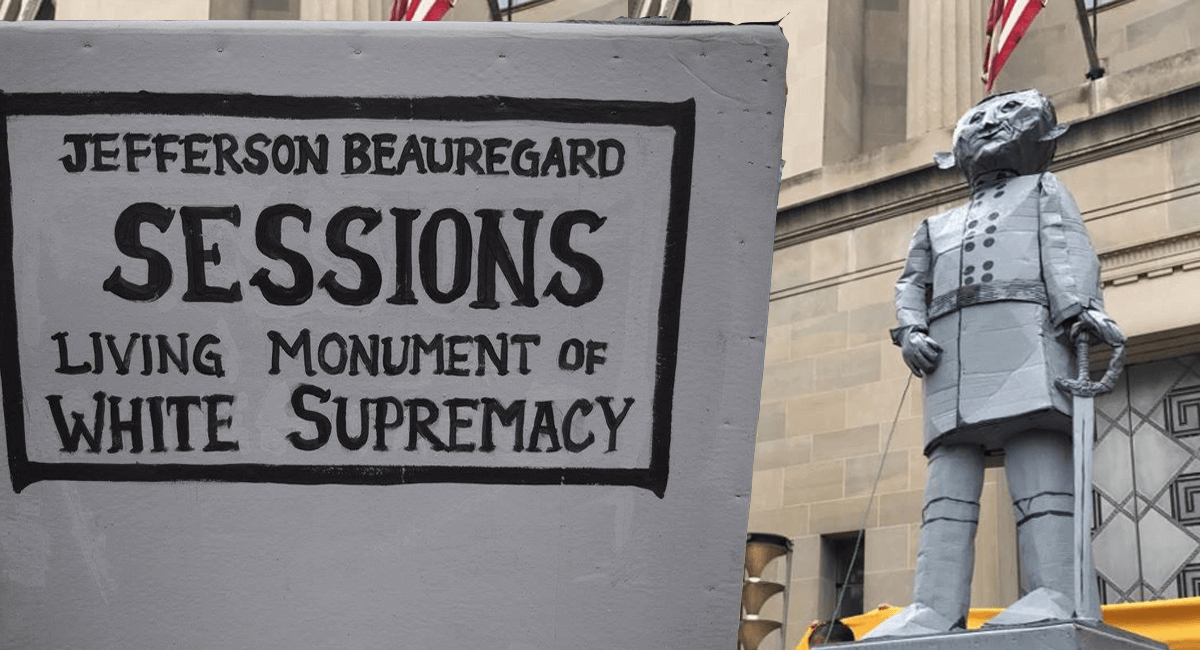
[(1095, 70), (494, 7)]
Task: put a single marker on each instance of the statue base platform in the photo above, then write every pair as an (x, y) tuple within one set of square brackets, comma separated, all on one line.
[(1056, 635)]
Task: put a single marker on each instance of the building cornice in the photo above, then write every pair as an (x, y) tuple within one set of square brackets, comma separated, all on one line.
[(923, 188), (1115, 132), (1151, 259)]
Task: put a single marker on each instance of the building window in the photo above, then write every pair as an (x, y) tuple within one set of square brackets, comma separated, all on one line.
[(841, 574)]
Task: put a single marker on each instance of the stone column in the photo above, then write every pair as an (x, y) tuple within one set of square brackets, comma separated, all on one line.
[(945, 59), (229, 10)]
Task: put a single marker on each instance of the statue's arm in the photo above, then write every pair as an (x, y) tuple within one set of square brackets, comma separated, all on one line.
[(912, 308), (1070, 266)]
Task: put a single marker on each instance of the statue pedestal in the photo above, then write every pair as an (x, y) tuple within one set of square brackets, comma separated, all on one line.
[(1058, 635)]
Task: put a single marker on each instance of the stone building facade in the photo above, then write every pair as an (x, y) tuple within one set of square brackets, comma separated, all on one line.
[(896, 76)]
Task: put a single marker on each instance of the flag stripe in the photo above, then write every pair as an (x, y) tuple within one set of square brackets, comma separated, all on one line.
[(420, 9), (1007, 22), (399, 8), (1018, 7)]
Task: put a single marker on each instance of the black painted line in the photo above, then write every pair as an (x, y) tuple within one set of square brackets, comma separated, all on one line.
[(10, 360), (1042, 494), (1046, 513), (339, 474), (440, 109), (674, 259), (954, 519), (955, 500), (679, 116)]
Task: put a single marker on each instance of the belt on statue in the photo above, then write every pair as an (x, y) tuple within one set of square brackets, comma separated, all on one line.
[(976, 294)]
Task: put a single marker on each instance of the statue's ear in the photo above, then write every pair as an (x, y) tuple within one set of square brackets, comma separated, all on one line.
[(1056, 132), (944, 159)]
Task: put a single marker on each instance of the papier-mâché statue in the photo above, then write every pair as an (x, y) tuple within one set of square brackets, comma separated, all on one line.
[(987, 303)]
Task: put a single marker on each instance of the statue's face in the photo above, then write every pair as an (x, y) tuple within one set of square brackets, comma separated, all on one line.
[(1006, 133)]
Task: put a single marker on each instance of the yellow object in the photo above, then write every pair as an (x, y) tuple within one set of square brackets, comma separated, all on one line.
[(1173, 622)]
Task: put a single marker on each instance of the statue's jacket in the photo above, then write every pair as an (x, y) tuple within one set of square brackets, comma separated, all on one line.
[(996, 283)]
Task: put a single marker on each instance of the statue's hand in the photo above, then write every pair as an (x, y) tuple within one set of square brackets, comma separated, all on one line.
[(920, 352), (1098, 326)]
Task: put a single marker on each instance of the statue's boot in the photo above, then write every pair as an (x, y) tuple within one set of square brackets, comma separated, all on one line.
[(1040, 480), (946, 559), (1043, 604), (915, 620)]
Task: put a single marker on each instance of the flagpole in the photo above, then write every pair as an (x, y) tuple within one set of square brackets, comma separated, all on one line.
[(1096, 70)]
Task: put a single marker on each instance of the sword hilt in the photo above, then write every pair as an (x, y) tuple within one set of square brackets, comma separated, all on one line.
[(1082, 346), (1082, 385)]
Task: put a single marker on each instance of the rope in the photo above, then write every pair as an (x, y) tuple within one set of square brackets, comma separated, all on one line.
[(862, 527)]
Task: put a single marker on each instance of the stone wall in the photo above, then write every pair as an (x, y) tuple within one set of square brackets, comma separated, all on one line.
[(1130, 34), (804, 23), (131, 10)]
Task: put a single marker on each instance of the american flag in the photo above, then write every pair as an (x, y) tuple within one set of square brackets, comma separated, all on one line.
[(420, 9), (1007, 22)]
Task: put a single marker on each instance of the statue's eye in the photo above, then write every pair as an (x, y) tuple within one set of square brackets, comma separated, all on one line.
[(975, 118), (1008, 106)]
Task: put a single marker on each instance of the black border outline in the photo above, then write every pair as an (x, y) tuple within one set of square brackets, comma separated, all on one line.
[(681, 116)]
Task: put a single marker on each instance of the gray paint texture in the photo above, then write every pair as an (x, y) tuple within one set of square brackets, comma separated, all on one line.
[(96, 564)]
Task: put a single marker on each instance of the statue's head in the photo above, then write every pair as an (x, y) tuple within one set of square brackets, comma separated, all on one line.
[(1010, 132)]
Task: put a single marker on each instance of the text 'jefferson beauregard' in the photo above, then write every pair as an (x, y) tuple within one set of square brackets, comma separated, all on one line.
[(386, 154)]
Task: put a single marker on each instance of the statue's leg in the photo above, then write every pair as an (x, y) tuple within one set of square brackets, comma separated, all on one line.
[(1038, 465), (946, 558)]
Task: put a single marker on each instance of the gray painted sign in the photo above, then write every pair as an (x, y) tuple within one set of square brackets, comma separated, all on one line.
[(378, 335), (346, 289)]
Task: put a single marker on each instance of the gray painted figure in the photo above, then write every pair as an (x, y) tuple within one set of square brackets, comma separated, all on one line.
[(987, 304)]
